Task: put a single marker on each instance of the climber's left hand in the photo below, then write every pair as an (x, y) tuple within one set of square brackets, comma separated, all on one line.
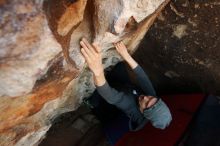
[(93, 56)]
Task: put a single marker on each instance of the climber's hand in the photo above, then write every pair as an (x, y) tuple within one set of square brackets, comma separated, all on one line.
[(122, 49), (93, 57)]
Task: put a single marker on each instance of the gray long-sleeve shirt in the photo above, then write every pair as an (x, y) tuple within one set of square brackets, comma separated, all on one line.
[(127, 101)]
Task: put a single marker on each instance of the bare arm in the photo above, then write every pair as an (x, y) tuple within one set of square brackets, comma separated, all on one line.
[(142, 78)]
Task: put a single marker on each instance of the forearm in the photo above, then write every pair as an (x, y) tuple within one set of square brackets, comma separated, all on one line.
[(142, 78), (131, 62), (144, 81)]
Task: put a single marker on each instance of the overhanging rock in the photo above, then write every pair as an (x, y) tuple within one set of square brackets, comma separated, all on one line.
[(42, 72)]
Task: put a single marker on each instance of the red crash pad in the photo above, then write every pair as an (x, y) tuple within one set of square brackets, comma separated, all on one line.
[(182, 107)]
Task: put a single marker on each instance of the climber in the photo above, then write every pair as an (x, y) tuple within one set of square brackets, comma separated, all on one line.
[(140, 106)]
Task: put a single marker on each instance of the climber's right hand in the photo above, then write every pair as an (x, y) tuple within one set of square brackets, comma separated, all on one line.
[(122, 49)]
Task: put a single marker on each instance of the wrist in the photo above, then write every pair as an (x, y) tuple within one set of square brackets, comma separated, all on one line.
[(98, 74), (99, 79), (132, 63), (126, 56)]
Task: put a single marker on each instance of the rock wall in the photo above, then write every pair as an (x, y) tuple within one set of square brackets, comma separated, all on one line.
[(183, 48), (42, 72)]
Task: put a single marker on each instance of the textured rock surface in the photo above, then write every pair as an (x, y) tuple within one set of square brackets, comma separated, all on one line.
[(42, 73), (183, 48)]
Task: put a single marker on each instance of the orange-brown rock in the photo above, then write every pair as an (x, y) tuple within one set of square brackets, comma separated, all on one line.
[(71, 17), (39, 40)]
